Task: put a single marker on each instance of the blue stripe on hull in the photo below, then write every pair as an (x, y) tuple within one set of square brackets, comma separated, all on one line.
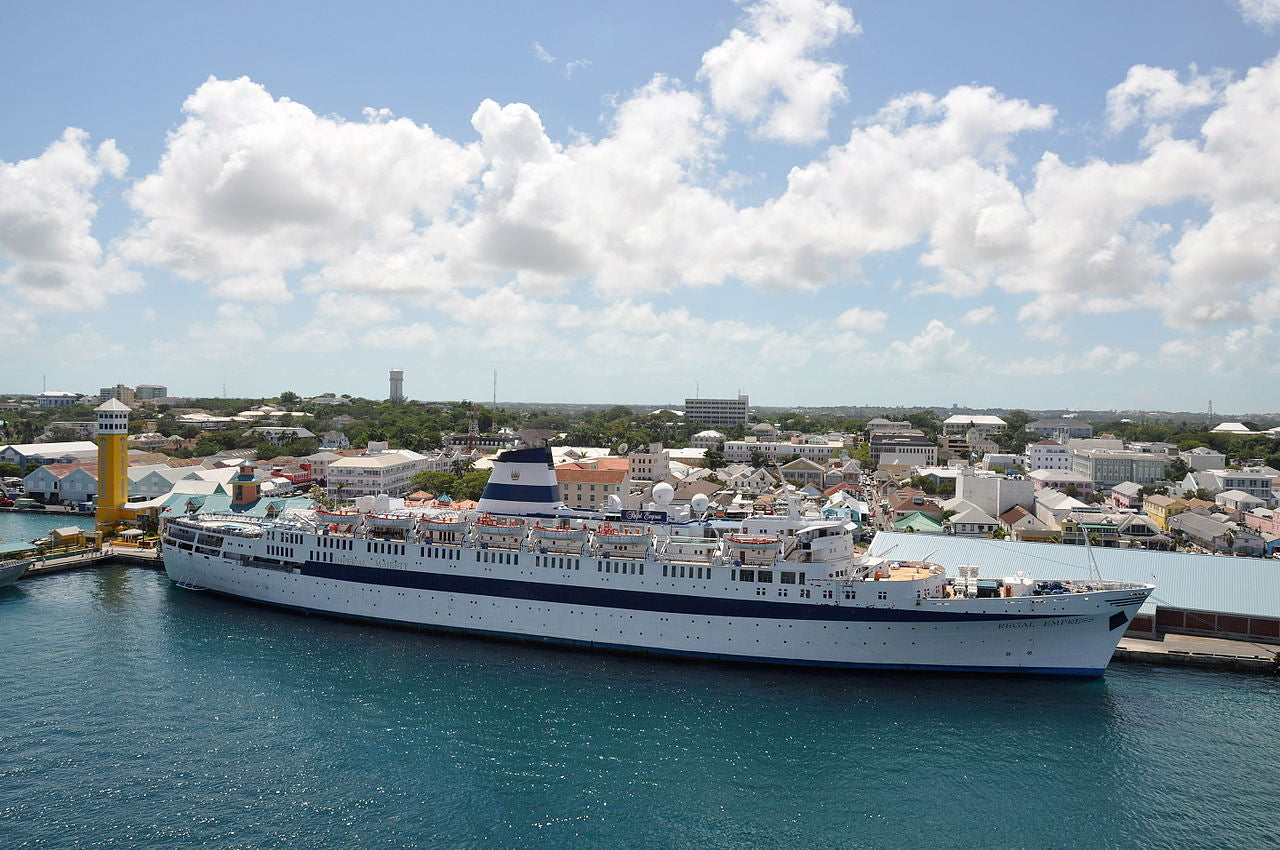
[(676, 653), (639, 600)]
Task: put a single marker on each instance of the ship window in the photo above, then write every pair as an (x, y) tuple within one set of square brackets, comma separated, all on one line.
[(599, 568), (682, 572), (642, 569), (746, 575), (851, 594), (733, 575), (664, 569), (882, 595), (764, 576), (801, 576), (787, 578)]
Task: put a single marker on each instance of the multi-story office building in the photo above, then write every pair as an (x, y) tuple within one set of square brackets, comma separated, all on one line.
[(903, 447), (119, 392), (1107, 468), (378, 470), (716, 411)]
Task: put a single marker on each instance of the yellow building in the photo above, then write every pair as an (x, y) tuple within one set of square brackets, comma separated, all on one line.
[(1162, 509), (113, 464)]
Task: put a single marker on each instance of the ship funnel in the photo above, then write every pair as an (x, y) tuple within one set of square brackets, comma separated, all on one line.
[(523, 481)]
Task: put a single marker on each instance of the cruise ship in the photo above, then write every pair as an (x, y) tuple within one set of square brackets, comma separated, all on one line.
[(774, 589)]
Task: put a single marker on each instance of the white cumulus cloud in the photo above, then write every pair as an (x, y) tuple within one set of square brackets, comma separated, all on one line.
[(864, 321), (47, 211), (765, 73), (1264, 14)]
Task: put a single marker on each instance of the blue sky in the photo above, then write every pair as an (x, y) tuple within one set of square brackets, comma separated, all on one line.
[(995, 204)]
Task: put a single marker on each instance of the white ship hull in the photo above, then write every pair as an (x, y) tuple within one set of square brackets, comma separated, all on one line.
[(630, 605)]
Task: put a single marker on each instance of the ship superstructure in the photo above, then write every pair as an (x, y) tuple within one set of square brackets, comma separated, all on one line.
[(783, 589)]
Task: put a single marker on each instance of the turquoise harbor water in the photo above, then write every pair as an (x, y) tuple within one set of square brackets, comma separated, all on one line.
[(22, 527), (136, 714)]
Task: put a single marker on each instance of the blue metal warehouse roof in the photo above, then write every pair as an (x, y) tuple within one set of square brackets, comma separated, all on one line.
[(1217, 583)]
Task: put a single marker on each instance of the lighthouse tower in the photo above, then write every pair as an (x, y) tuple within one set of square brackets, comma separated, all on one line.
[(113, 466)]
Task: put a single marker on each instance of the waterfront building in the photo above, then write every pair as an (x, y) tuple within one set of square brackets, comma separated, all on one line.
[(21, 454), (716, 411), (62, 483), (150, 392)]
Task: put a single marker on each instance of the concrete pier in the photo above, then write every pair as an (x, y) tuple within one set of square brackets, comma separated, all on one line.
[(106, 556), (1204, 652)]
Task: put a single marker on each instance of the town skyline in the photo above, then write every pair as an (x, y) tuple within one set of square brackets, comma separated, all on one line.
[(805, 200)]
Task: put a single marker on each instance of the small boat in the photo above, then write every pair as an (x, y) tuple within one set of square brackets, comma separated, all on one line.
[(744, 541), (489, 525), (622, 536), (325, 516), (445, 522), (559, 532), (402, 522)]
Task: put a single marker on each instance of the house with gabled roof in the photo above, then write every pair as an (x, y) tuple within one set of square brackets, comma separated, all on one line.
[(969, 520), (918, 522)]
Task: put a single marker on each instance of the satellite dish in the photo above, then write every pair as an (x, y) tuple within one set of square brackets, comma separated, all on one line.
[(622, 448)]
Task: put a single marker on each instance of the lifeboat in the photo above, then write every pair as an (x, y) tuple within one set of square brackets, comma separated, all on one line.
[(622, 536), (444, 522), (559, 532), (746, 541), (325, 516), (401, 522), (489, 525)]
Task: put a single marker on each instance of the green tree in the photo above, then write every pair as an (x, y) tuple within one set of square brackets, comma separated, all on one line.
[(1017, 420), (435, 483), (713, 459), (288, 397)]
